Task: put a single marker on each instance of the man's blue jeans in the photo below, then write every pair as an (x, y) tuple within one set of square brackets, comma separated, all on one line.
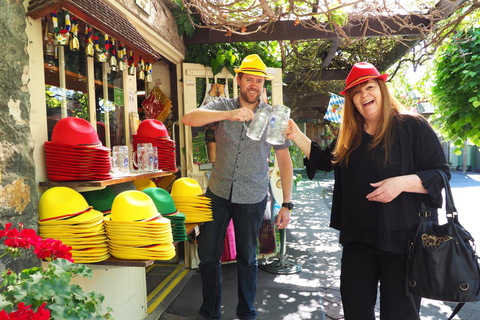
[(247, 219)]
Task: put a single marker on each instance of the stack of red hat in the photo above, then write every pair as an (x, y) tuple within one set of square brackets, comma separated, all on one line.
[(154, 132), (76, 153)]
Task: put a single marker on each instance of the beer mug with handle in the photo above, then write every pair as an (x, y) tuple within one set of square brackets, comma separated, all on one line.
[(277, 127), (257, 126)]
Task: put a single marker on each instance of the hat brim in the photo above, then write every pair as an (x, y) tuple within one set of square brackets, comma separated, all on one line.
[(355, 83), (254, 73)]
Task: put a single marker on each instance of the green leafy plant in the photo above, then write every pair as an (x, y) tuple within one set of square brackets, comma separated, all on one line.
[(229, 55), (46, 293), (182, 19), (456, 93)]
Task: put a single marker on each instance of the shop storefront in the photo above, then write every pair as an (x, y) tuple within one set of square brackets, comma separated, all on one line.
[(98, 61)]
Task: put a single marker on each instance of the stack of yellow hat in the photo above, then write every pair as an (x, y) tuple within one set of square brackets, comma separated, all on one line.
[(135, 229), (189, 199), (64, 214)]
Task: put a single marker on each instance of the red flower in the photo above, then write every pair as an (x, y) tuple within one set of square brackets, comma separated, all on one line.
[(54, 249), (26, 313), (43, 248)]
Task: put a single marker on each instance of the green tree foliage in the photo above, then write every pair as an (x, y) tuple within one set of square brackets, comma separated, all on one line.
[(456, 90), (229, 55)]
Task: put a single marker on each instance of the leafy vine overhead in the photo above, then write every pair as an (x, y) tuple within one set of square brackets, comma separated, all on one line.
[(220, 55), (350, 20)]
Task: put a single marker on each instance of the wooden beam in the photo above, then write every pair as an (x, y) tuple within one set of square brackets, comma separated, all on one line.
[(287, 30)]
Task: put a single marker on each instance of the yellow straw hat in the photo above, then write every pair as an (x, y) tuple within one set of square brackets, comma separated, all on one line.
[(145, 183), (186, 187), (133, 205), (253, 64), (62, 204)]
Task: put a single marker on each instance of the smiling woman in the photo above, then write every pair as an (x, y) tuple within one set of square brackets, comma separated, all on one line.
[(384, 161)]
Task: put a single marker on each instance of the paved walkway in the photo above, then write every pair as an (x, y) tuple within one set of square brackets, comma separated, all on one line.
[(313, 293), (309, 230)]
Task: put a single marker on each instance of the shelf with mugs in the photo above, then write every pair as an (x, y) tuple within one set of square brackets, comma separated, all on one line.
[(134, 175)]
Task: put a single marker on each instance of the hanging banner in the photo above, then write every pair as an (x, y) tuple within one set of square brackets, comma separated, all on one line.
[(335, 108)]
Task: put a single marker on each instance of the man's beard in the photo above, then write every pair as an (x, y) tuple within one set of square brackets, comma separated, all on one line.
[(245, 97)]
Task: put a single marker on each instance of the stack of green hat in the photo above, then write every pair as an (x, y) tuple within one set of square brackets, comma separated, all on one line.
[(165, 205), (135, 229), (65, 215), (189, 199), (100, 200)]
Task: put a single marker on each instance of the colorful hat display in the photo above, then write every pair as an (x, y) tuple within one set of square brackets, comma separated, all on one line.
[(166, 207), (154, 132), (361, 72), (64, 214), (189, 199), (136, 230), (253, 64), (76, 153)]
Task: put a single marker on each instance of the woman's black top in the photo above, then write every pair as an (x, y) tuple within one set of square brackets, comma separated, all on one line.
[(386, 226)]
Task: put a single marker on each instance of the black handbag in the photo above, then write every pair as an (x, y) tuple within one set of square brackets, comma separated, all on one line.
[(443, 264)]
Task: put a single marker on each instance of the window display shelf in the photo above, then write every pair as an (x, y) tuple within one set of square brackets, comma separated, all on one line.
[(103, 183)]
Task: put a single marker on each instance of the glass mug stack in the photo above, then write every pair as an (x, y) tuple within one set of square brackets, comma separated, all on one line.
[(120, 163), (275, 119)]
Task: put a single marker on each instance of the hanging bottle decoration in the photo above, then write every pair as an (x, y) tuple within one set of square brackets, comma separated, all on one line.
[(148, 72), (48, 41), (131, 62), (112, 62), (100, 53), (88, 41), (74, 43), (141, 66), (122, 57), (61, 36)]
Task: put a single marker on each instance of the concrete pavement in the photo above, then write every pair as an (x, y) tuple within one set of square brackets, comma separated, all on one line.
[(314, 293)]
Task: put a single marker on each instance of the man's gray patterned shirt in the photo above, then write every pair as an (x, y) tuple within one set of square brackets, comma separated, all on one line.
[(240, 172)]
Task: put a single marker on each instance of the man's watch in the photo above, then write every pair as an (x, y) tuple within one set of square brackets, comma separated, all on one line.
[(288, 205)]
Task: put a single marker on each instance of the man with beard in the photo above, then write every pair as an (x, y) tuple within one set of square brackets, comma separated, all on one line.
[(238, 188)]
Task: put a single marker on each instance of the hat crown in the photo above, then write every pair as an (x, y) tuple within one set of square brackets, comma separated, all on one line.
[(133, 205), (75, 131), (60, 201), (186, 187), (361, 72), (162, 199), (101, 199), (362, 69), (141, 184), (253, 62), (152, 128)]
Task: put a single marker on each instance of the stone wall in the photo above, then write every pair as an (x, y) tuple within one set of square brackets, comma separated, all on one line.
[(18, 191), (160, 19)]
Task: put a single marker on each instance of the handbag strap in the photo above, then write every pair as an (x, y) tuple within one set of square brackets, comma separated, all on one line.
[(451, 211)]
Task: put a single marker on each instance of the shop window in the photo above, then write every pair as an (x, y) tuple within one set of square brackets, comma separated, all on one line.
[(77, 85)]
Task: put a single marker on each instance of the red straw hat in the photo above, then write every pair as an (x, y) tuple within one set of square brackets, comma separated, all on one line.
[(75, 131), (152, 128), (361, 72)]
